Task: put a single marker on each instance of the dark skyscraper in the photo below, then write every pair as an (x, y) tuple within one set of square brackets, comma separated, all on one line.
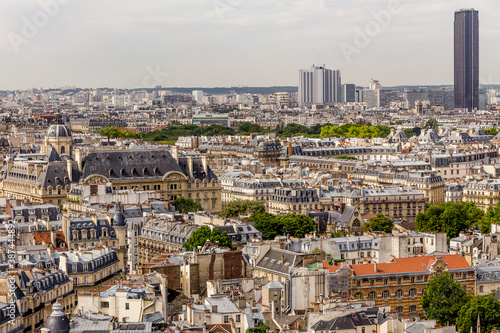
[(467, 59)]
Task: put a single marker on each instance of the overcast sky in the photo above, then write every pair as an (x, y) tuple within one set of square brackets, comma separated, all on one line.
[(215, 43)]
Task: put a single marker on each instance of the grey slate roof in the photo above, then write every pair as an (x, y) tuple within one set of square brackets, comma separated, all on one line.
[(140, 163)]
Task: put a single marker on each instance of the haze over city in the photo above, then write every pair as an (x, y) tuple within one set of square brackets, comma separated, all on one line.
[(234, 42)]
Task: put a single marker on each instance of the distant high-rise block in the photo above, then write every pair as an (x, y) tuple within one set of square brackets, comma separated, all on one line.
[(319, 85), (347, 93), (467, 59)]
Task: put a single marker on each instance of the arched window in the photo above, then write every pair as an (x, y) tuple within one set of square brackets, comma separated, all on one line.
[(63, 150)]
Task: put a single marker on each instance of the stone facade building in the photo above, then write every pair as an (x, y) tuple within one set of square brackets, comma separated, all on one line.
[(400, 283)]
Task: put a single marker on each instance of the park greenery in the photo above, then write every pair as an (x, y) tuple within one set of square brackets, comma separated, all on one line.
[(203, 234), (442, 299), (345, 157), (379, 223), (355, 131), (243, 207), (292, 224), (172, 132), (185, 206)]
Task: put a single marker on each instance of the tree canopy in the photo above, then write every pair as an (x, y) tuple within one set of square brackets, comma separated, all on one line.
[(432, 123), (293, 224), (491, 131), (188, 205), (200, 236), (492, 216), (243, 207), (488, 309), (247, 128), (449, 217), (379, 223), (355, 131), (442, 299)]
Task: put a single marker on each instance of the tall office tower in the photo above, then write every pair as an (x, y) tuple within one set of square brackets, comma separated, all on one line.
[(319, 85), (467, 59), (347, 93)]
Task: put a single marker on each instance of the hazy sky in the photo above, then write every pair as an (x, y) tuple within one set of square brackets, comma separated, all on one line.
[(209, 43)]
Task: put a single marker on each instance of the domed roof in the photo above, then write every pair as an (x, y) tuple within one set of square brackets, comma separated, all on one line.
[(118, 218), (58, 131), (57, 322)]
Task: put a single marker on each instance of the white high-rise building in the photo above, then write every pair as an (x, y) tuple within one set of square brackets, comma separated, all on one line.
[(319, 85), (198, 96)]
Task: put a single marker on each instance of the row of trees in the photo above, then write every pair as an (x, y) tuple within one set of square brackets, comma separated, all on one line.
[(270, 225), (445, 300), (172, 132), (355, 131), (454, 217), (292, 224)]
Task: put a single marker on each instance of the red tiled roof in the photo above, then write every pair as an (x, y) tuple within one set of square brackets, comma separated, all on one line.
[(331, 268), (44, 237), (409, 265)]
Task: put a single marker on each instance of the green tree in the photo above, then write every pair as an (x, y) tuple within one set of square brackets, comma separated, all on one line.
[(247, 128), (432, 123), (268, 224), (200, 236), (442, 299), (297, 225), (271, 225), (449, 217), (488, 309), (492, 216), (379, 223), (339, 234), (243, 207), (185, 206), (262, 328), (491, 131)]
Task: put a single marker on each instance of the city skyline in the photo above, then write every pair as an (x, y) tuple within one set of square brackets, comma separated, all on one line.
[(224, 44)]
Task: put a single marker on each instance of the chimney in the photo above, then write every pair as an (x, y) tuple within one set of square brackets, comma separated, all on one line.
[(38, 168), (375, 267), (175, 153), (282, 259), (63, 262), (190, 165), (65, 226), (70, 170), (164, 297), (204, 163), (78, 158), (53, 238)]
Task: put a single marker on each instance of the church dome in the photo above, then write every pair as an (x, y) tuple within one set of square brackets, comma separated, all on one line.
[(57, 322), (58, 131), (118, 218)]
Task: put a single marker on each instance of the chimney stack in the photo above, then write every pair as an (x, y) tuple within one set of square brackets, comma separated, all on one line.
[(78, 158), (164, 296), (190, 165), (70, 170), (204, 163), (175, 153)]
